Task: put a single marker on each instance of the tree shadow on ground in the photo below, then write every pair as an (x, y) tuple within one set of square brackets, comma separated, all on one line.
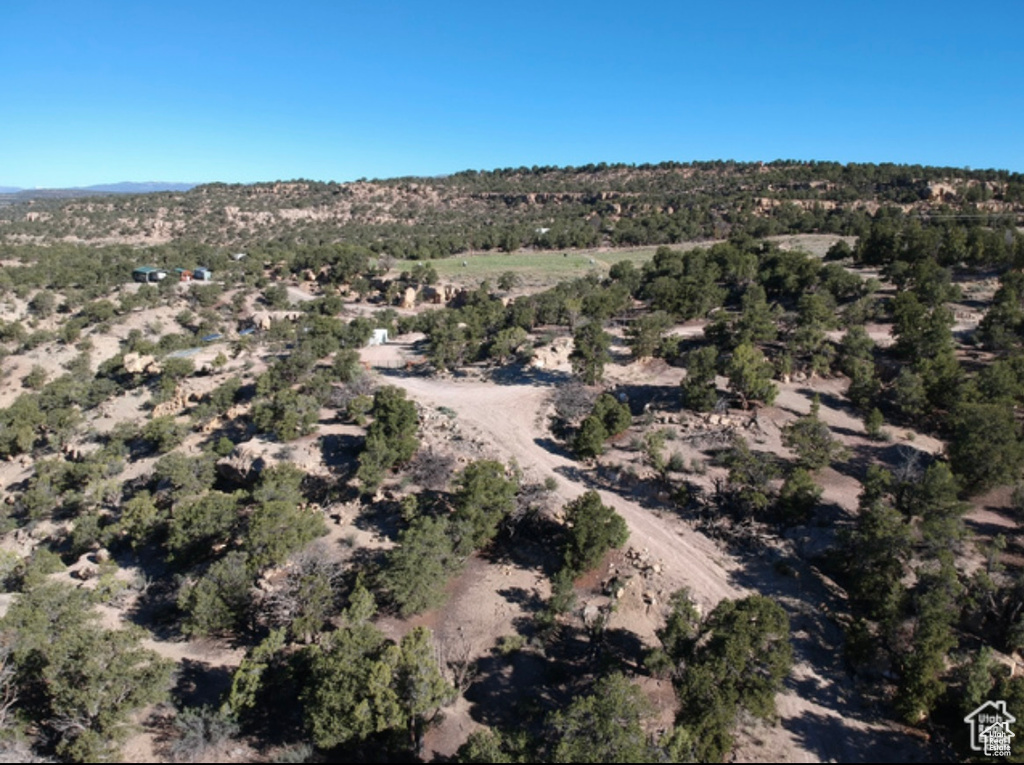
[(200, 684), (821, 674), (897, 458), (621, 648), (535, 546), (403, 372), (552, 446), (521, 685), (365, 559), (642, 397), (516, 374), (529, 601), (509, 690), (833, 740), (903, 456), (156, 608), (160, 725), (382, 517), (340, 452), (620, 352), (827, 515), (235, 431), (649, 494), (989, 529), (832, 401), (319, 489), (848, 432)]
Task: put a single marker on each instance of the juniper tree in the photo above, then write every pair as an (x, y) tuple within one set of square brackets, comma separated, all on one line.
[(644, 335), (220, 600), (812, 440), (590, 352), (736, 660), (748, 493), (593, 529), (279, 528), (484, 497), (798, 496), (419, 567), (605, 725), (419, 684), (390, 438), (363, 684), (923, 666), (85, 681), (750, 376), (615, 416), (985, 447), (698, 387), (877, 549)]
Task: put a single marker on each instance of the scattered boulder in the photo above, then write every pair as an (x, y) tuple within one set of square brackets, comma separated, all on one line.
[(245, 463), (85, 573), (260, 320), (941, 191), (174, 405), (136, 363), (553, 356)]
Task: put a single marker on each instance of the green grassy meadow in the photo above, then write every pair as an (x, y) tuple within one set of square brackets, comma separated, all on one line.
[(535, 268)]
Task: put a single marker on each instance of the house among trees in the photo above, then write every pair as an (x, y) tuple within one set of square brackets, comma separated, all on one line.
[(379, 337), (202, 274), (149, 274)]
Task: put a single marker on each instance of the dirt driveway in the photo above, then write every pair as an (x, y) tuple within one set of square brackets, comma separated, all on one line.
[(822, 716)]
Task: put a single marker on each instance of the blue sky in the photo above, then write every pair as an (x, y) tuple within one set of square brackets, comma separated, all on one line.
[(219, 90)]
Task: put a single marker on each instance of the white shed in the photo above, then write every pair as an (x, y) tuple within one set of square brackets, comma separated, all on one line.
[(380, 336)]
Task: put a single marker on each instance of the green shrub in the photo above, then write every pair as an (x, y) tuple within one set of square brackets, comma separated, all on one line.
[(593, 529)]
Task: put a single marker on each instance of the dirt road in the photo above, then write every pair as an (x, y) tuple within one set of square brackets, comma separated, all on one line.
[(822, 717), (509, 414)]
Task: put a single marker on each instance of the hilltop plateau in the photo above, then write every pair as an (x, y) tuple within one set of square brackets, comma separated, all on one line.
[(507, 209)]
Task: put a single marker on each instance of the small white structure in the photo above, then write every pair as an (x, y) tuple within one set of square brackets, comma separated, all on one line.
[(380, 336), (237, 256)]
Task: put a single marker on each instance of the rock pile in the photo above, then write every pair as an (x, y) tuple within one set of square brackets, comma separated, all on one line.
[(136, 364), (246, 462)]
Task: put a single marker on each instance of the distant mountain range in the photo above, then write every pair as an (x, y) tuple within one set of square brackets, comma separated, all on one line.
[(126, 187)]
